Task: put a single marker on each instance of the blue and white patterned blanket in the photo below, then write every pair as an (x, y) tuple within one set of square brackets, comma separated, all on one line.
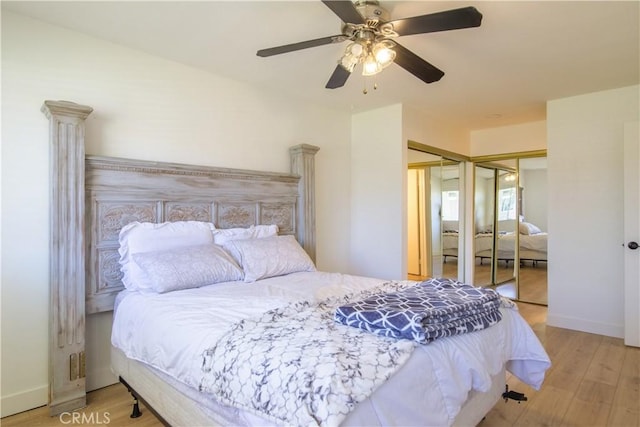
[(435, 308)]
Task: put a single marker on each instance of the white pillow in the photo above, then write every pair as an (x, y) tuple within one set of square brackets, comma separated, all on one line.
[(186, 267), (527, 228), (271, 256), (138, 237), (224, 235)]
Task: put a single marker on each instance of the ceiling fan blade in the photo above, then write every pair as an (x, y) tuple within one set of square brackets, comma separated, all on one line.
[(416, 65), (345, 10), (338, 78), (301, 45), (454, 19)]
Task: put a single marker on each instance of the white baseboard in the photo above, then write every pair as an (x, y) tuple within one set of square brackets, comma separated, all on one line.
[(585, 325), (24, 401), (34, 398)]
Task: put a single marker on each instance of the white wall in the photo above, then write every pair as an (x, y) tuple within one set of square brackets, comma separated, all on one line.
[(421, 128), (146, 108), (379, 184), (534, 199), (379, 194), (508, 139), (585, 176)]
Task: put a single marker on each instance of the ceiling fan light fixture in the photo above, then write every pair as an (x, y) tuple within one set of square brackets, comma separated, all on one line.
[(349, 62), (384, 53), (356, 49), (352, 56), (371, 66)]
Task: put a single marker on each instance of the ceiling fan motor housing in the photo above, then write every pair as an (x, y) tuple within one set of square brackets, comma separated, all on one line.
[(375, 22), (372, 12)]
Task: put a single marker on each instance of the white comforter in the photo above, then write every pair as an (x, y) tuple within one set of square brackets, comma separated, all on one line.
[(171, 331), (533, 242)]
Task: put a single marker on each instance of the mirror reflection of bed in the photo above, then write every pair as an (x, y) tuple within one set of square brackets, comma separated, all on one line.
[(510, 196), (517, 199)]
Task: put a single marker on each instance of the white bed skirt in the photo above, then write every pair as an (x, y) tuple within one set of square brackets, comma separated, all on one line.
[(179, 404)]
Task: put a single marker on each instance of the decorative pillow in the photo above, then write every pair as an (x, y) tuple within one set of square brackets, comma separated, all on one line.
[(186, 267), (138, 237), (271, 256), (527, 228), (224, 235)]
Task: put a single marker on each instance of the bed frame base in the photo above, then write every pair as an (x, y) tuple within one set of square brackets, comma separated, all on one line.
[(136, 412), (513, 395), (136, 408)]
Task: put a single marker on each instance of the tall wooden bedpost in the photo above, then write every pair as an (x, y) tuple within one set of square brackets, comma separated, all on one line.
[(67, 256), (303, 164)]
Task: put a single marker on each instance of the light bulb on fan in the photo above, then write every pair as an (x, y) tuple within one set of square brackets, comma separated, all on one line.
[(384, 53), (370, 66)]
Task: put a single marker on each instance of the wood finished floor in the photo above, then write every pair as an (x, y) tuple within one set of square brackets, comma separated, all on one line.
[(594, 381), (533, 278)]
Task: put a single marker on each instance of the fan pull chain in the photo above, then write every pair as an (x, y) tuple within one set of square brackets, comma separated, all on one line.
[(365, 91)]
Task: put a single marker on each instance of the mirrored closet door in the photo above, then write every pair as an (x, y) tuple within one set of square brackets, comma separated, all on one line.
[(510, 217), (434, 201), (484, 207), (533, 231), (495, 214)]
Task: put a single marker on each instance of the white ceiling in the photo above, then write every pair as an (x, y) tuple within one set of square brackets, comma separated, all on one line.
[(500, 73)]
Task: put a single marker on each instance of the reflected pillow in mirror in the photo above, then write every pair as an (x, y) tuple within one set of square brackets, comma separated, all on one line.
[(527, 228), (450, 226)]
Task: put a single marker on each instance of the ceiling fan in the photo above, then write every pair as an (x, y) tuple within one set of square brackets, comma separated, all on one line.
[(371, 34)]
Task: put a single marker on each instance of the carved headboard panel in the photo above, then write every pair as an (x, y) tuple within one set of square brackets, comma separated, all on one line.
[(119, 191)]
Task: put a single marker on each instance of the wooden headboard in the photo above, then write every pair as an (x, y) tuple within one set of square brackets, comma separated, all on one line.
[(120, 191), (93, 197)]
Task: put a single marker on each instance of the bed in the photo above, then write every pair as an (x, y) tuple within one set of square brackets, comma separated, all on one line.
[(532, 245), (444, 377), (117, 195)]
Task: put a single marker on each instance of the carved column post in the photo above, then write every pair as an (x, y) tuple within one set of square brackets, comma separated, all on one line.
[(67, 256), (303, 164)]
